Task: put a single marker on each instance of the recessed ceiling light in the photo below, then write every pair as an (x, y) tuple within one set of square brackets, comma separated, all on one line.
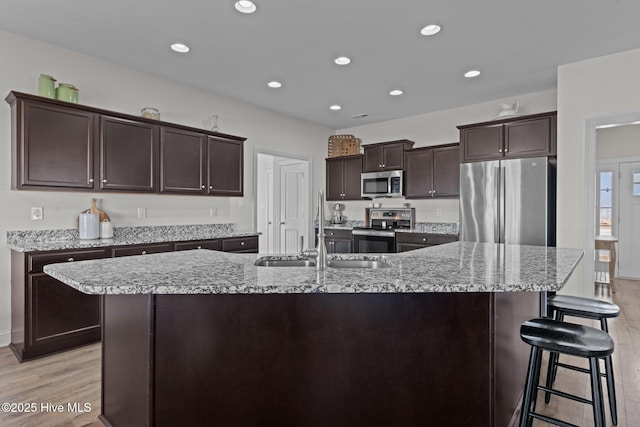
[(342, 60), (180, 47), (335, 107), (245, 6), (274, 84), (472, 73), (396, 92), (430, 30)]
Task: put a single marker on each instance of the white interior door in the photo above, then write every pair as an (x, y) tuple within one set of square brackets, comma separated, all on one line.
[(629, 221), (292, 202)]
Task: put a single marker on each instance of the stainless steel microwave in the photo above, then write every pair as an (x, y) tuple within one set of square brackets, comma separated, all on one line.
[(382, 184)]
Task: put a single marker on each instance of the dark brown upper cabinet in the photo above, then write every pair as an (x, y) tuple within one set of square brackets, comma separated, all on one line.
[(64, 146), (385, 155), (226, 173), (128, 152), (183, 161), (52, 146), (526, 136), (432, 172), (344, 177)]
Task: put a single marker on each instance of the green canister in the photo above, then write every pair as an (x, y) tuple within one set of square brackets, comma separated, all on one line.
[(47, 86), (67, 92)]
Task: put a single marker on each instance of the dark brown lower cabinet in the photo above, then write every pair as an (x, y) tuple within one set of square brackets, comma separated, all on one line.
[(315, 360), (338, 241), (48, 316), (410, 241)]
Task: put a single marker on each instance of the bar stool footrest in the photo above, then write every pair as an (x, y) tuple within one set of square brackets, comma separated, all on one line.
[(579, 369), (565, 395), (551, 420)]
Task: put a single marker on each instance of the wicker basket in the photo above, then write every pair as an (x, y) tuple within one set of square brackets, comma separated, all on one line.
[(343, 145)]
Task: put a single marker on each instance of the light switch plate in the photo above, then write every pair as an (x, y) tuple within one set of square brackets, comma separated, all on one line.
[(213, 212), (142, 213), (37, 213)]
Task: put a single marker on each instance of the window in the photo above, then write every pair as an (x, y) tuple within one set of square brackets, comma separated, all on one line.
[(604, 208)]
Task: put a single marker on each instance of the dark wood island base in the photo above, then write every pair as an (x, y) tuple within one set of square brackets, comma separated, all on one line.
[(314, 360)]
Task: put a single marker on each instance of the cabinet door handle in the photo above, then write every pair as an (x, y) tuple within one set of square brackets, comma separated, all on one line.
[(104, 181), (433, 192), (143, 253), (211, 187), (506, 150), (70, 259), (500, 150), (90, 180), (199, 247), (203, 187), (332, 233), (282, 222)]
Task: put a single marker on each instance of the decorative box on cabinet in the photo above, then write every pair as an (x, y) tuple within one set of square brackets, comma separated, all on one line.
[(57, 145), (432, 172), (385, 155), (48, 316), (525, 136), (344, 177), (410, 241)]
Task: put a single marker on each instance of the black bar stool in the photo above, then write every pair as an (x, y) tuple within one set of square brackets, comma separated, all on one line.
[(565, 338), (561, 305)]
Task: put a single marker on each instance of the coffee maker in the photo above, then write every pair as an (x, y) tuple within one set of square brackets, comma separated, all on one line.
[(336, 214)]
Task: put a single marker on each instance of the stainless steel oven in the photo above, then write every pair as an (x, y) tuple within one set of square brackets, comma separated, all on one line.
[(366, 240), (379, 236)]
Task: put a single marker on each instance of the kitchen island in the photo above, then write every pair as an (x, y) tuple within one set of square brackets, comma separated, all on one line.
[(208, 338)]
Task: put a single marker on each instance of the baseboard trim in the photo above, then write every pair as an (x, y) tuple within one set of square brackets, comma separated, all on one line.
[(5, 338)]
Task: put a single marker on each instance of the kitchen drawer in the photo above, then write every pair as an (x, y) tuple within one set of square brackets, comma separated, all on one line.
[(336, 233), (426, 239), (36, 262), (241, 244), (198, 244), (143, 249)]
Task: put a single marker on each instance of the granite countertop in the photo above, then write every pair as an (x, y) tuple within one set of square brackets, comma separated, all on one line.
[(51, 240), (453, 267)]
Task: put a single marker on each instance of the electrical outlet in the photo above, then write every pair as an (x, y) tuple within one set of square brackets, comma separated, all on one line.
[(37, 213), (438, 212), (213, 212), (142, 213)]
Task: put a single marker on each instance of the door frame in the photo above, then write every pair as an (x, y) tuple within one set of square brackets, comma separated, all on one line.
[(591, 125), (308, 231)]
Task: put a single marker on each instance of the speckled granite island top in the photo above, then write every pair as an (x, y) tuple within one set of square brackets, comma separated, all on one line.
[(453, 267)]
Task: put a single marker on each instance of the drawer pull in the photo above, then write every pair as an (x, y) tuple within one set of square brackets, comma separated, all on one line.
[(199, 247), (70, 259), (424, 239), (241, 243), (144, 253)]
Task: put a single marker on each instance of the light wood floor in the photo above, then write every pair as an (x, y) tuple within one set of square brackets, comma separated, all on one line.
[(74, 376)]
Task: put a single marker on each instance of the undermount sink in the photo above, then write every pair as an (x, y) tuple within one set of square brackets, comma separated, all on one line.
[(265, 262), (332, 263)]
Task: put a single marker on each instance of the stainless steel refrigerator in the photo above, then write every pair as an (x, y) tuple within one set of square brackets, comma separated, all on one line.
[(508, 201)]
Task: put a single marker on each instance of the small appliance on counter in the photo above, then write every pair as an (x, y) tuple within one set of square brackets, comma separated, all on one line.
[(379, 235), (336, 214)]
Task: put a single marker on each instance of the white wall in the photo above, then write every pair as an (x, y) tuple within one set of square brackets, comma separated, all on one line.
[(434, 129), (618, 142), (113, 87), (587, 90)]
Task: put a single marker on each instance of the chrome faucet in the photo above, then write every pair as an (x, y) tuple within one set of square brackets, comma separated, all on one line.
[(320, 252)]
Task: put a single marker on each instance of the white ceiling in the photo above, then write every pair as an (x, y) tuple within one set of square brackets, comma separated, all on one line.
[(516, 44)]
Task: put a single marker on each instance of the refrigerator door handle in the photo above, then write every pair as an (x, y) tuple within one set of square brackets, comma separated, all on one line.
[(496, 218), (501, 204)]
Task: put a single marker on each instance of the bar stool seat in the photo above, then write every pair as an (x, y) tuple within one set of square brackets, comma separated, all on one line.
[(563, 338), (561, 305)]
